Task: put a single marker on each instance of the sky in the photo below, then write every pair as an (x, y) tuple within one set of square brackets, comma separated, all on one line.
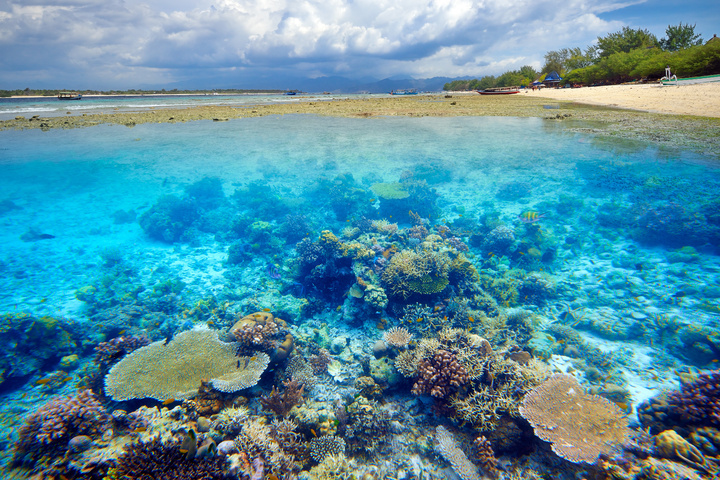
[(123, 44)]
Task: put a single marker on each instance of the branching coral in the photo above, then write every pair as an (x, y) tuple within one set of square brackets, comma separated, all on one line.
[(258, 439), (579, 426), (174, 370), (279, 404), (107, 353)]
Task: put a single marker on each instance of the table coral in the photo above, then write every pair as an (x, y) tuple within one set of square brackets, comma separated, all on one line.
[(579, 426), (174, 370)]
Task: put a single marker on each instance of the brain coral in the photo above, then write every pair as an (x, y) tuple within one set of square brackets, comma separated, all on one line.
[(174, 370), (579, 426)]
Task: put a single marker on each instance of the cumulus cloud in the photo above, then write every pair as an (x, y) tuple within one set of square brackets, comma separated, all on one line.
[(133, 42)]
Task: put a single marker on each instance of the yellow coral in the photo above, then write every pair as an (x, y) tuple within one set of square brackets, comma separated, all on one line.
[(174, 370), (389, 191)]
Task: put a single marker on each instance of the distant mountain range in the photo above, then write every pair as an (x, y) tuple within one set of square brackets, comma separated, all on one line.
[(346, 85)]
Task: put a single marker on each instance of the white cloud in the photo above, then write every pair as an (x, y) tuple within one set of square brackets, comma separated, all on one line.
[(141, 41)]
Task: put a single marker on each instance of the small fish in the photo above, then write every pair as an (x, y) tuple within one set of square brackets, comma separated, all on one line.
[(313, 432), (210, 323), (471, 319), (168, 401), (419, 320), (140, 430), (42, 381), (436, 309), (265, 309), (530, 216)]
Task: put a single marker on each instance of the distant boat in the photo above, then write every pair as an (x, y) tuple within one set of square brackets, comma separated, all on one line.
[(410, 91), (690, 80), (499, 91), (290, 92), (69, 96)]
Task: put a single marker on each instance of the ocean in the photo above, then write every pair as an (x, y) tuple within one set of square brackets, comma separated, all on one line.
[(429, 286)]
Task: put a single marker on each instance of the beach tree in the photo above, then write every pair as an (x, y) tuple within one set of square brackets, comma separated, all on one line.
[(680, 37), (625, 40)]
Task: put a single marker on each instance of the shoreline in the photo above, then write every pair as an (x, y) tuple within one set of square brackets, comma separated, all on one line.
[(626, 111)]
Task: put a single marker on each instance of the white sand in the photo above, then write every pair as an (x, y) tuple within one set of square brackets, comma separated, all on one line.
[(702, 100)]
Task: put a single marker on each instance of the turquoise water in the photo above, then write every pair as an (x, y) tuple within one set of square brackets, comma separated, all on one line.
[(597, 257)]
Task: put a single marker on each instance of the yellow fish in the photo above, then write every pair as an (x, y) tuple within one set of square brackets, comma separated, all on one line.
[(530, 216)]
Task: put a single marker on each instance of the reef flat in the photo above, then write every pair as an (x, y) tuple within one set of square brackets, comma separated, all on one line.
[(701, 134)]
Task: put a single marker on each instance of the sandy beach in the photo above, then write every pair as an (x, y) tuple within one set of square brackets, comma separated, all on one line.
[(701, 100)]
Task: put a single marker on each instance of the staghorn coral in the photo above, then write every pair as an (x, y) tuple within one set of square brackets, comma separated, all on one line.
[(325, 446), (279, 404), (366, 427), (259, 440), (398, 337), (261, 330), (46, 432), (302, 371), (579, 426), (448, 448), (440, 375), (174, 370), (158, 460)]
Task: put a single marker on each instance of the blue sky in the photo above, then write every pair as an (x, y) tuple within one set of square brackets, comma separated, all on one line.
[(119, 44)]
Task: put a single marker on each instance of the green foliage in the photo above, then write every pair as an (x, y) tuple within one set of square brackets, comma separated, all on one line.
[(625, 40), (650, 63), (680, 37)]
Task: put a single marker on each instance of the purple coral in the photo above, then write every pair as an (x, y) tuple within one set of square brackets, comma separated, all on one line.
[(697, 403), (107, 353), (48, 431)]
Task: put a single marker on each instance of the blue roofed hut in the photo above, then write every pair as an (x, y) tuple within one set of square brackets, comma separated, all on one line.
[(552, 79)]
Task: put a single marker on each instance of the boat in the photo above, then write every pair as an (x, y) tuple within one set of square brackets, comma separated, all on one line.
[(499, 91), (69, 96), (291, 92), (690, 80), (410, 91)]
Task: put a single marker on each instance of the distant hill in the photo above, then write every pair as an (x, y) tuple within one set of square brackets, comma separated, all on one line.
[(346, 85)]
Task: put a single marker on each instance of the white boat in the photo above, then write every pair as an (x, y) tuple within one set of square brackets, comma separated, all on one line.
[(690, 80)]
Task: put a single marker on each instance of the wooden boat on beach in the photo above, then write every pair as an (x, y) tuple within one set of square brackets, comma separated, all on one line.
[(69, 96), (499, 91)]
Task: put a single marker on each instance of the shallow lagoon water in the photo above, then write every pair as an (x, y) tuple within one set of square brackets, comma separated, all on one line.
[(607, 218)]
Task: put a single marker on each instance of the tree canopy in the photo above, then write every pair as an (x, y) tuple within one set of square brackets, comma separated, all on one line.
[(620, 56), (679, 37)]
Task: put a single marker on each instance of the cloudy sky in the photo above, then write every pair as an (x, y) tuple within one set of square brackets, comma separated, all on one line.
[(119, 44)]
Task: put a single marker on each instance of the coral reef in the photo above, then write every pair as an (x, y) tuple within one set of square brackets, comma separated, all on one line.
[(325, 446), (448, 448), (263, 331), (398, 337), (696, 404), (166, 461), (281, 404), (439, 375), (579, 426), (46, 432), (174, 370)]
